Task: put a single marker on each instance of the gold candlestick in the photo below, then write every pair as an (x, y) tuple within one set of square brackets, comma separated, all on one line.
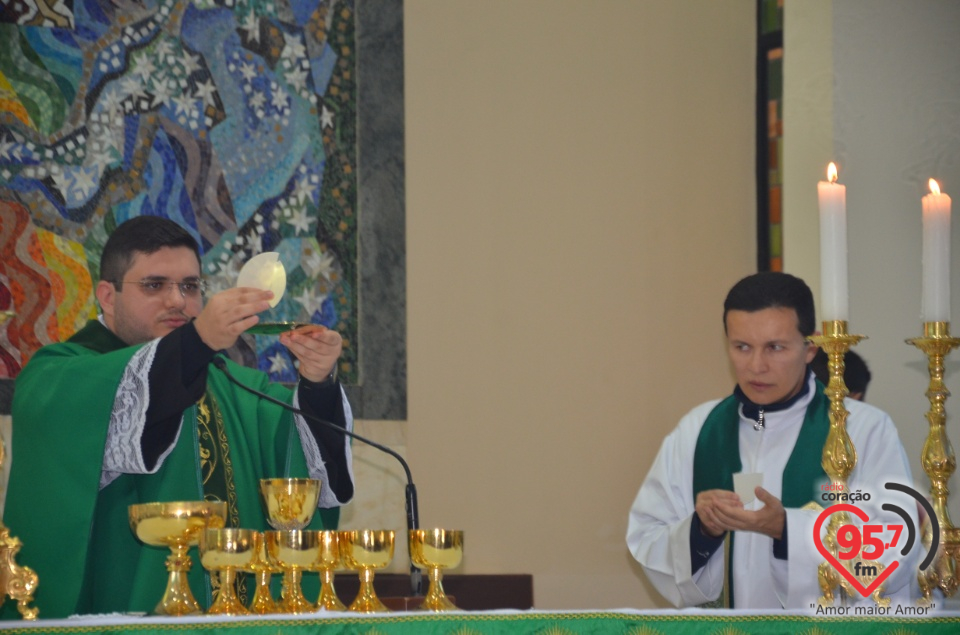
[(17, 582), (839, 454), (938, 461)]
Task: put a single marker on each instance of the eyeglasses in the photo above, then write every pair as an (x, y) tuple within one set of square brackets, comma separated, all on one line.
[(190, 288)]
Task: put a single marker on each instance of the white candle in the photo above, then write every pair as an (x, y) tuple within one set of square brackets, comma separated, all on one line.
[(833, 248), (936, 255)]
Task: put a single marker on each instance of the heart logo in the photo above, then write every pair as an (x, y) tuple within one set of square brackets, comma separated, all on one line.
[(862, 515)]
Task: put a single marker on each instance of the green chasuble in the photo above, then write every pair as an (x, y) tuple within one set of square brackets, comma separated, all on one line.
[(717, 455), (76, 537)]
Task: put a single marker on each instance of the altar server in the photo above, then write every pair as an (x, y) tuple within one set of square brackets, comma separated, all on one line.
[(773, 427)]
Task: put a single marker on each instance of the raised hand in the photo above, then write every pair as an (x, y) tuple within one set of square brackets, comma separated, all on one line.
[(230, 313), (317, 347)]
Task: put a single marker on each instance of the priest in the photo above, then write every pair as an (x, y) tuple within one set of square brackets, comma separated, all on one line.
[(773, 428), (131, 410)]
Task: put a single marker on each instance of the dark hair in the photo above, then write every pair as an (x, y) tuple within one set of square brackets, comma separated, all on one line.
[(856, 375), (771, 290), (140, 235)]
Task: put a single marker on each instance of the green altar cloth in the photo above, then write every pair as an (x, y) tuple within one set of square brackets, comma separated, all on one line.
[(694, 622)]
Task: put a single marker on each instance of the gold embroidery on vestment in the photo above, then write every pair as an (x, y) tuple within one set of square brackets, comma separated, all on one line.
[(216, 470)]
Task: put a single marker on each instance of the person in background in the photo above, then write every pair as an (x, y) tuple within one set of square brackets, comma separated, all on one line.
[(774, 426), (130, 410), (856, 375)]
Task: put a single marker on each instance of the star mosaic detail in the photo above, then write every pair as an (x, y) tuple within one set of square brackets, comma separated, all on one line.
[(234, 118)]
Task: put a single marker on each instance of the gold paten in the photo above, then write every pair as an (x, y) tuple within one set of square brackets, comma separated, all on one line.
[(366, 550), (274, 328), (436, 550), (20, 583), (224, 551), (939, 462), (177, 526), (839, 454)]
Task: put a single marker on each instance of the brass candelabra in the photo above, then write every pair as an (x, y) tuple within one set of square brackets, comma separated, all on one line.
[(17, 582), (939, 462), (839, 454)]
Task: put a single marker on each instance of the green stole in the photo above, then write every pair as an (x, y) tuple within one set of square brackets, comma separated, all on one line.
[(717, 457), (76, 537)]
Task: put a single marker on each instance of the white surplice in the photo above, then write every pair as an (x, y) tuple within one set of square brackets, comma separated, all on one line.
[(658, 532)]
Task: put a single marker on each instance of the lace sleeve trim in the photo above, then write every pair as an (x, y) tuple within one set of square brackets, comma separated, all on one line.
[(122, 454)]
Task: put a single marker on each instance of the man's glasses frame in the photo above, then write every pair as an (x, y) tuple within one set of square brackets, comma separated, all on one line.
[(190, 288)]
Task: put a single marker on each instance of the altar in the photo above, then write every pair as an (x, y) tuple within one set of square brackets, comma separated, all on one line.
[(686, 622)]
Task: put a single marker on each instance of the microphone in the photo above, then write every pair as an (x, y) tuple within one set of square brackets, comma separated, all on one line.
[(413, 510)]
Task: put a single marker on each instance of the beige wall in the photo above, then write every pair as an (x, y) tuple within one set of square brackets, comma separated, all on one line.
[(579, 198)]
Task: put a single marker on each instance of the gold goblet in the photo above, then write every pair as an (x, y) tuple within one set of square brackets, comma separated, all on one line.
[(436, 550), (328, 561), (289, 503), (225, 550), (176, 526), (366, 550), (294, 551), (261, 567)]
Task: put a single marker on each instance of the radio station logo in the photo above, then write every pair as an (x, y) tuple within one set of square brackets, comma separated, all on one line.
[(859, 548)]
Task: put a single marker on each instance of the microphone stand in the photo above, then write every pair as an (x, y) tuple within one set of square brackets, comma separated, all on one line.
[(413, 508)]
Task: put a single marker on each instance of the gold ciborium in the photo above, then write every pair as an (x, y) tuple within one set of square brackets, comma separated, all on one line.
[(293, 551), (176, 526), (366, 550), (261, 567), (328, 562), (224, 550), (436, 550), (289, 503)]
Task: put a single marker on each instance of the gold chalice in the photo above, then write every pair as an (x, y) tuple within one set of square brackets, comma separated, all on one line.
[(328, 562), (261, 567), (289, 503), (366, 550), (294, 551), (436, 550), (225, 550), (176, 526)]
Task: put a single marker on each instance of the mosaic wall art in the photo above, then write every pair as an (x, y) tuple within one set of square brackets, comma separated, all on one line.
[(235, 118), (54, 13)]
